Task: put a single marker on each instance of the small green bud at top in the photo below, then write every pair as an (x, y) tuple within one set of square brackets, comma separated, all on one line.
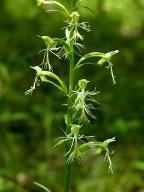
[(48, 41), (75, 17), (75, 129), (83, 83)]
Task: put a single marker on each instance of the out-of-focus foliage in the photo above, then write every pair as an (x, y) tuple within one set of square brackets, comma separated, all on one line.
[(29, 124)]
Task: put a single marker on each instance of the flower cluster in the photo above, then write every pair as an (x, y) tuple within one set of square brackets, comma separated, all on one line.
[(81, 102)]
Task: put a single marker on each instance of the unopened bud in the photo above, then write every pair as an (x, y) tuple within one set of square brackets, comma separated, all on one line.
[(83, 83), (48, 41), (75, 129), (75, 17)]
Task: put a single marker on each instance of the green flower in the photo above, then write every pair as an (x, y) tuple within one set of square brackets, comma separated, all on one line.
[(106, 58), (81, 104), (51, 46)]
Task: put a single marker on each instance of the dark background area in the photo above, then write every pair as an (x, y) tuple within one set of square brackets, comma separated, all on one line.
[(29, 125)]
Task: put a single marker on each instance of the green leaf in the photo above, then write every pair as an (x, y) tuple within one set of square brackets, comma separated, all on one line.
[(60, 142), (51, 2), (42, 187), (87, 56), (51, 82), (92, 11), (42, 74), (54, 76), (88, 63), (85, 145)]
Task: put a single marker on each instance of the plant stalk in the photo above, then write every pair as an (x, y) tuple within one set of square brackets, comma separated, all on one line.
[(69, 117)]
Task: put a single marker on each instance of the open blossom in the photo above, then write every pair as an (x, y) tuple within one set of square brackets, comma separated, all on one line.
[(50, 47), (81, 104), (74, 26)]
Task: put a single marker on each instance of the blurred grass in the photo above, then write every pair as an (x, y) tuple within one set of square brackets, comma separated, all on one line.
[(29, 125)]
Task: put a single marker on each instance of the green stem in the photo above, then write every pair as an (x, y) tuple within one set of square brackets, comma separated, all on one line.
[(69, 117), (71, 82)]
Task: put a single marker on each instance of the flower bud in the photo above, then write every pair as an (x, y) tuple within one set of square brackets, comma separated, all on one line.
[(75, 129), (75, 17), (48, 41), (83, 83)]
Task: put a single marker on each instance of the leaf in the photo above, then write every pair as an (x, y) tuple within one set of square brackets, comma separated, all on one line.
[(51, 74), (51, 2), (56, 85), (60, 142), (42, 187), (90, 144), (87, 56), (42, 75), (92, 11), (88, 63)]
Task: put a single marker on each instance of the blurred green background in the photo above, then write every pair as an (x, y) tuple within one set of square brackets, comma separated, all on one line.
[(30, 124)]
